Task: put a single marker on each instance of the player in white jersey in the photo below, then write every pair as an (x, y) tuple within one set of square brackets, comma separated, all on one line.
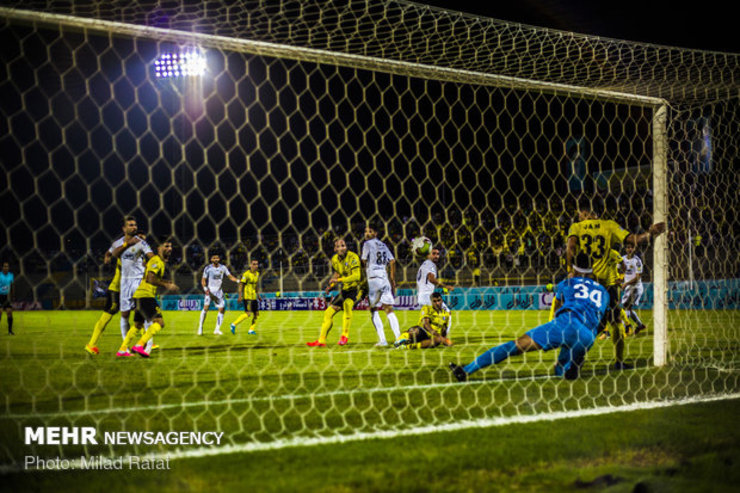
[(632, 286), (133, 252), (213, 277), (427, 281), (376, 257)]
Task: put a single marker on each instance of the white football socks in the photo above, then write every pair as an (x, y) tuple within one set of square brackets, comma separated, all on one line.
[(379, 328), (124, 326), (393, 321)]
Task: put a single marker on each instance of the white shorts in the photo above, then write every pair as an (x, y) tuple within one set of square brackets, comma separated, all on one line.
[(379, 292), (424, 299), (128, 287), (218, 300), (632, 293)]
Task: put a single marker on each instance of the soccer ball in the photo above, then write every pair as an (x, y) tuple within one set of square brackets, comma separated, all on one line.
[(421, 246)]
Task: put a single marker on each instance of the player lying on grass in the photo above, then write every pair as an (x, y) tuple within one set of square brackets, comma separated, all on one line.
[(582, 303), (432, 329)]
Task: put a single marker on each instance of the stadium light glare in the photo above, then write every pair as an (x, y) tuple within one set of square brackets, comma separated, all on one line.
[(190, 63)]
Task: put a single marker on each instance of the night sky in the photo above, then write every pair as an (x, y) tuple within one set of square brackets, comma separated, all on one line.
[(699, 25)]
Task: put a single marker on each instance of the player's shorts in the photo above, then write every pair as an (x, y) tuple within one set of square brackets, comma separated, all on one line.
[(251, 306), (218, 300), (5, 301), (112, 302), (379, 292), (417, 333), (424, 299), (344, 295), (565, 331), (146, 309), (128, 288), (632, 294)]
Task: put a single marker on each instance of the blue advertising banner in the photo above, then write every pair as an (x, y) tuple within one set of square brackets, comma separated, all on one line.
[(707, 295)]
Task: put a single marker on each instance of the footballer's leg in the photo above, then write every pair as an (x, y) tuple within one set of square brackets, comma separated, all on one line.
[(9, 316), (347, 312), (335, 305), (255, 304), (110, 309), (378, 324), (204, 313), (241, 318), (392, 321)]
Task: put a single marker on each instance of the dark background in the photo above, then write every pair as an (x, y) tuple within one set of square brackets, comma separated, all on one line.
[(701, 25)]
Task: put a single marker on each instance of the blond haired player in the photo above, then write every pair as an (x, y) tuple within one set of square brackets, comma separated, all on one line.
[(348, 275), (596, 238), (249, 295)]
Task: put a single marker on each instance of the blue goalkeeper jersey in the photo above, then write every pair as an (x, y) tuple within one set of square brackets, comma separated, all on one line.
[(585, 298)]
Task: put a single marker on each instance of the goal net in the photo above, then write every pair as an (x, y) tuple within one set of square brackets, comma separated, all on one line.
[(265, 130)]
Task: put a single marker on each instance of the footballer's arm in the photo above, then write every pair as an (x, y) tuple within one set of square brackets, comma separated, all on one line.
[(127, 243), (152, 279), (437, 283), (653, 231)]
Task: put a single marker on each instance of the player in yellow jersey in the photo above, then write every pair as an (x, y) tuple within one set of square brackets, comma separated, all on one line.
[(348, 277), (596, 237), (249, 294), (432, 329), (145, 296), (113, 293)]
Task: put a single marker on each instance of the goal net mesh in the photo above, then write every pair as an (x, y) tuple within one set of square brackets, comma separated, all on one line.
[(310, 119)]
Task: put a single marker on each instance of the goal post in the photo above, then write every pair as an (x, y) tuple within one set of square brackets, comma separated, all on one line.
[(660, 249)]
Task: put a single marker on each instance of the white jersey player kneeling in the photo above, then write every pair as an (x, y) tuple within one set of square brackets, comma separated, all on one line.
[(213, 277)]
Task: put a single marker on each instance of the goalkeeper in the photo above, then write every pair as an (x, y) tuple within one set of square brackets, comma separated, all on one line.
[(581, 304), (432, 330)]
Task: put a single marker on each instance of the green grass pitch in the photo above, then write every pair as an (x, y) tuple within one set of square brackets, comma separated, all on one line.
[(269, 390)]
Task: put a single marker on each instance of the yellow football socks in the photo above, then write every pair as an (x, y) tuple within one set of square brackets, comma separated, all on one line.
[(241, 318), (128, 339), (99, 328), (153, 329), (326, 325), (347, 317)]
